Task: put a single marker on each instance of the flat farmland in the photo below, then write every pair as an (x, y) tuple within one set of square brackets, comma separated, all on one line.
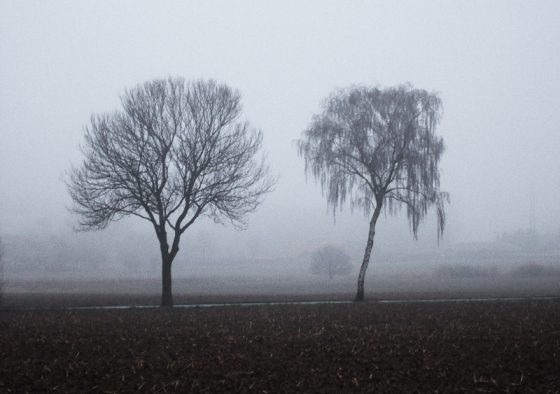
[(20, 294), (497, 346)]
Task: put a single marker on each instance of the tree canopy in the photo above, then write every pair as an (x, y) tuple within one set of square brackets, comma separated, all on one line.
[(378, 146), (176, 148)]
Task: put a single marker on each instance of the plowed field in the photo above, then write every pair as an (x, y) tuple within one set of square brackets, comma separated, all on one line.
[(368, 347)]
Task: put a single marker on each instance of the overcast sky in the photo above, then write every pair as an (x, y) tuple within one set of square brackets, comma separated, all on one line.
[(495, 64)]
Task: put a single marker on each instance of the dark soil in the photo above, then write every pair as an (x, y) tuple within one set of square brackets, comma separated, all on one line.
[(368, 347)]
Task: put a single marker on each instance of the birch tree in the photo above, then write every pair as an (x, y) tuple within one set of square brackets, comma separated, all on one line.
[(377, 148), (175, 152)]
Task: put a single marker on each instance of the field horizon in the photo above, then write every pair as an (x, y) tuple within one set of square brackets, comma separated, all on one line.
[(203, 290)]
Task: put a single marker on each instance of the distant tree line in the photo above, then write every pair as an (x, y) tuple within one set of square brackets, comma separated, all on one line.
[(52, 255), (463, 271), (524, 270), (529, 240)]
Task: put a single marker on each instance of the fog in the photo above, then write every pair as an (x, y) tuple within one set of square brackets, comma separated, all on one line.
[(495, 65)]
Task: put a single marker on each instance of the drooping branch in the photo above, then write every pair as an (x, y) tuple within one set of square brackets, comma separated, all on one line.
[(372, 144)]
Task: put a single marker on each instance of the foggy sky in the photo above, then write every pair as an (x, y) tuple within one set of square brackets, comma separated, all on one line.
[(495, 64)]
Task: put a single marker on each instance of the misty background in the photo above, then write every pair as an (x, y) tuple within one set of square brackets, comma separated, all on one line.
[(496, 66)]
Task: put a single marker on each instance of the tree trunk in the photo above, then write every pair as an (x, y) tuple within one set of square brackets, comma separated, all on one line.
[(167, 257), (367, 254), (166, 293)]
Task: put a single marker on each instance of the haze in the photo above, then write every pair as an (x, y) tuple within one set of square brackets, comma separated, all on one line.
[(496, 66)]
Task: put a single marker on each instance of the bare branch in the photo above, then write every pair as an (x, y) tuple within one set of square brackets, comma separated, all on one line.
[(176, 151)]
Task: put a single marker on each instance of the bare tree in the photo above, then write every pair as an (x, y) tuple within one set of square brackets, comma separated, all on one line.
[(175, 152), (330, 260), (378, 148)]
